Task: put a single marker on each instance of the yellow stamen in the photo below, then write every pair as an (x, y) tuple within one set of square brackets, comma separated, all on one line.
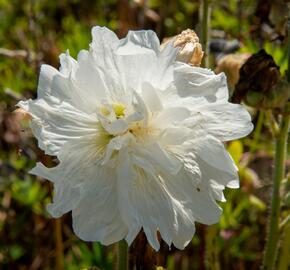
[(118, 108)]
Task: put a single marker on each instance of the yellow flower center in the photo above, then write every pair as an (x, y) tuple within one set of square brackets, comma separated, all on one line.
[(118, 108)]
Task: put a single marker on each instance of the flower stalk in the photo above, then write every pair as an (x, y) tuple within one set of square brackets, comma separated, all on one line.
[(284, 262), (212, 260), (205, 24), (273, 231), (122, 255), (58, 244), (280, 158), (257, 132)]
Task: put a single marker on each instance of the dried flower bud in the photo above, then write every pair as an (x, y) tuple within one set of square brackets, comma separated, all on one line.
[(230, 65), (260, 84), (190, 49)]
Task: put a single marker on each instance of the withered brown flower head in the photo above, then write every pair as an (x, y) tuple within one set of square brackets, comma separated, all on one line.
[(259, 83)]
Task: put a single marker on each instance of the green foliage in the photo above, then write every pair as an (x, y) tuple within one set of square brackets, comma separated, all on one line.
[(77, 36), (29, 193), (83, 256)]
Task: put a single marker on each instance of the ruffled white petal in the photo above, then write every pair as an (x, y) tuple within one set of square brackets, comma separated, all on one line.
[(54, 123), (225, 121), (164, 160), (67, 64), (144, 203), (151, 98), (199, 83), (136, 42), (190, 188), (46, 76), (170, 117), (215, 162), (99, 220), (70, 179)]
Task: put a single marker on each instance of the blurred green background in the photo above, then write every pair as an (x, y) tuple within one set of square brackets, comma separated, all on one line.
[(37, 31)]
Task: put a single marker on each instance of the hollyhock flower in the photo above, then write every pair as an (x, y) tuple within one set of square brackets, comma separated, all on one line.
[(138, 137)]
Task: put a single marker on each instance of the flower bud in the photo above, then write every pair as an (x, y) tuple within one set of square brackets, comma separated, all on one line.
[(190, 50)]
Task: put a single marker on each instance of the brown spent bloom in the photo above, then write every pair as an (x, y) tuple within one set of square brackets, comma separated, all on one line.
[(190, 51), (260, 84)]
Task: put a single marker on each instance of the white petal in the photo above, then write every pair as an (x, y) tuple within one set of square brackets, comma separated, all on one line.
[(68, 64), (114, 127), (200, 83), (45, 80), (66, 86), (164, 160), (54, 123), (66, 89), (134, 54), (91, 79), (151, 98), (137, 42), (141, 108), (61, 85), (100, 220), (154, 208), (185, 231), (103, 38), (125, 180), (188, 189), (116, 144), (215, 162), (163, 74), (217, 190), (170, 117), (174, 136), (225, 121), (77, 185), (226, 177), (69, 177)]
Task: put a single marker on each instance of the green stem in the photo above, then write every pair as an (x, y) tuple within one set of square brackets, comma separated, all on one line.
[(272, 123), (285, 222), (257, 131), (205, 24), (273, 231), (284, 262), (288, 30), (58, 244), (212, 260), (122, 255)]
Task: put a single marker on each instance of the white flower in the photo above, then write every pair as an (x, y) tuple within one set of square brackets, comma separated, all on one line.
[(138, 137)]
